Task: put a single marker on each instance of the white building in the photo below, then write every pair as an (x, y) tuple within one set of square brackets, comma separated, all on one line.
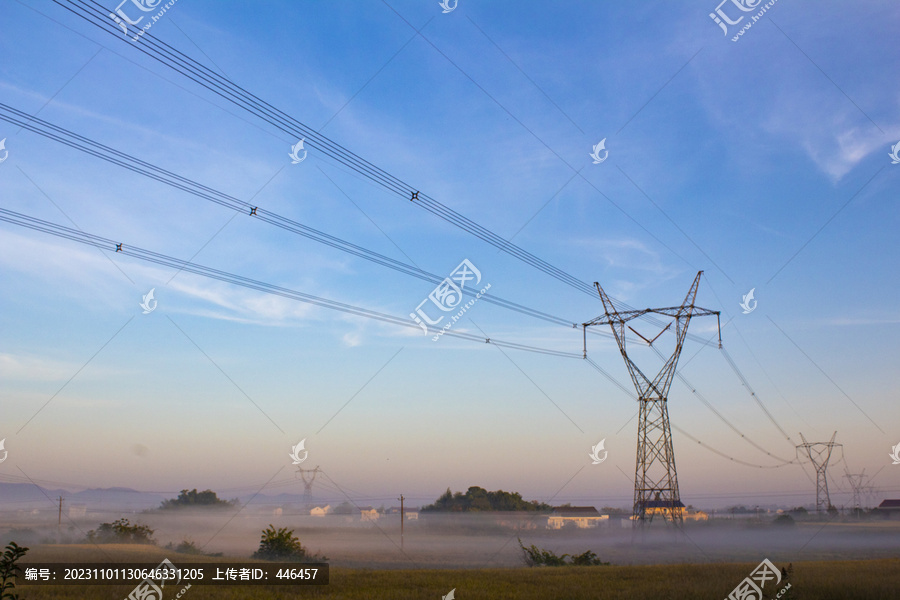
[(367, 513), (583, 517)]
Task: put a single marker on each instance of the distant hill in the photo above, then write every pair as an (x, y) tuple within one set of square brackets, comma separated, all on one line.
[(28, 496)]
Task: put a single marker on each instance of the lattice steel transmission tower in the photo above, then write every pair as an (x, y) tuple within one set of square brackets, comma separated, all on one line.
[(655, 479), (819, 454), (307, 483), (857, 484)]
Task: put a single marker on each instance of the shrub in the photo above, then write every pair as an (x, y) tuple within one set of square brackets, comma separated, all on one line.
[(282, 544), (784, 520), (537, 557), (121, 531), (9, 569), (185, 547), (587, 559)]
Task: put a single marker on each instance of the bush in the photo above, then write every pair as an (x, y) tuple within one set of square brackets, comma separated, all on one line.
[(9, 569), (185, 547), (588, 559), (121, 532), (537, 557), (784, 520), (282, 544)]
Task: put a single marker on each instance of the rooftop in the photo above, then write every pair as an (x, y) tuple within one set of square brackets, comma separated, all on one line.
[(575, 511), (663, 504)]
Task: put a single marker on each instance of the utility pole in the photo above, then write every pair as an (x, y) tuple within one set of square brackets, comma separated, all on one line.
[(655, 479), (59, 523), (819, 454), (401, 522)]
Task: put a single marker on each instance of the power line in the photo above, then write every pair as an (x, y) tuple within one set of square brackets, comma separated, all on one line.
[(141, 167), (223, 87), (161, 259), (753, 395), (228, 90), (176, 60), (682, 431)]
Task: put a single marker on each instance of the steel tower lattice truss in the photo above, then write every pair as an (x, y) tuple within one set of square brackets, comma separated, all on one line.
[(857, 484), (307, 483), (655, 479), (819, 454)]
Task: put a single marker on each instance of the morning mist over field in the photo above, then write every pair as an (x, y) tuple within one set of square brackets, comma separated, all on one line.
[(311, 255)]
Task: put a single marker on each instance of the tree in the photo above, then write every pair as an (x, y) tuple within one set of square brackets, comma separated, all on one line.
[(610, 510), (206, 498), (344, 508), (478, 499), (121, 531)]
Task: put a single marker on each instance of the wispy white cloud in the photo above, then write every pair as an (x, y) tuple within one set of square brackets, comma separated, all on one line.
[(25, 367)]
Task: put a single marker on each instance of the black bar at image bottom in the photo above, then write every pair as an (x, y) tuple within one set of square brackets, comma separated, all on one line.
[(153, 577)]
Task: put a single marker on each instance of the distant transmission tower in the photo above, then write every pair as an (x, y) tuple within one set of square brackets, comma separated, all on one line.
[(307, 483), (857, 484), (819, 454), (655, 479)]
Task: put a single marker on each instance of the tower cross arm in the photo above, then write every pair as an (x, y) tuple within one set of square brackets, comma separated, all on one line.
[(670, 311), (618, 317), (680, 311)]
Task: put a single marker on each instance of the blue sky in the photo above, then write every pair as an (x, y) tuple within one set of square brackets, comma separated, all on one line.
[(727, 157)]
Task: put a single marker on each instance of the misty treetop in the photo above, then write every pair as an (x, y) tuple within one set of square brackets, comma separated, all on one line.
[(121, 531), (478, 499), (193, 498)]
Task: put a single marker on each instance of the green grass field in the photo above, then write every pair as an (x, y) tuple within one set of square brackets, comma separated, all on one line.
[(837, 580)]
